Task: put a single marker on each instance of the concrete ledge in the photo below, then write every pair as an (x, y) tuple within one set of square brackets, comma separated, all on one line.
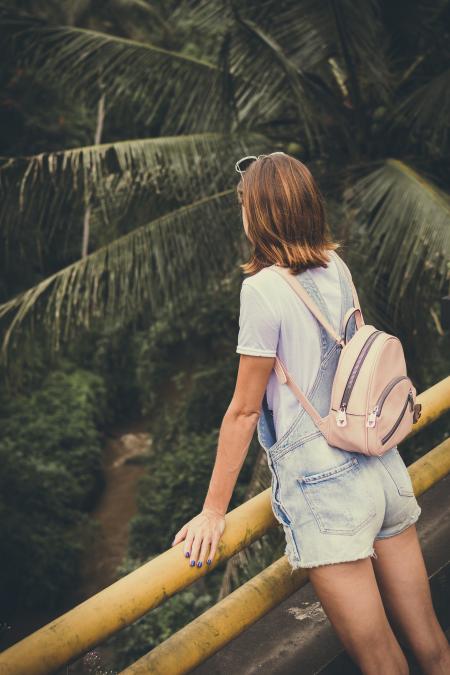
[(297, 636)]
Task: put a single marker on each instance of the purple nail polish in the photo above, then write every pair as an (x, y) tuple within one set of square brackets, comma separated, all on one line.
[(208, 562), (192, 563), (187, 554), (199, 564)]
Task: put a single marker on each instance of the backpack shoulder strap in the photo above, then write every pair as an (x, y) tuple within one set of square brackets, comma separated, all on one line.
[(284, 377), (306, 298)]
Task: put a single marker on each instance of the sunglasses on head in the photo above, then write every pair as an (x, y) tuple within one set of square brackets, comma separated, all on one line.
[(242, 164)]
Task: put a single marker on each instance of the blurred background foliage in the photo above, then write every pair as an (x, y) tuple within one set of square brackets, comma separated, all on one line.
[(121, 239)]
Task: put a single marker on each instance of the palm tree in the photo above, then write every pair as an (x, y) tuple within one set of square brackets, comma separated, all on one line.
[(358, 90), (322, 74)]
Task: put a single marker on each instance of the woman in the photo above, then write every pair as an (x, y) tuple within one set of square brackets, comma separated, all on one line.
[(354, 527)]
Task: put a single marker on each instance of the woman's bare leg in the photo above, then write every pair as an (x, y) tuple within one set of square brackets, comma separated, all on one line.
[(350, 598), (403, 582)]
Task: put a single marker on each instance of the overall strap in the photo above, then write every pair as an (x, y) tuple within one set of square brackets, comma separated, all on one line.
[(283, 375), (281, 371), (309, 302)]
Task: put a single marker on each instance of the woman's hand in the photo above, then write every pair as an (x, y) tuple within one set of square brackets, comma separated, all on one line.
[(202, 535)]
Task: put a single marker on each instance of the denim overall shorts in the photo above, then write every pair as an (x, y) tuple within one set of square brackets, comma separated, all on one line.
[(332, 503)]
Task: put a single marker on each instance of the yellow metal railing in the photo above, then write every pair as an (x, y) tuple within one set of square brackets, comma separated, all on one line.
[(220, 624), (435, 402), (129, 598)]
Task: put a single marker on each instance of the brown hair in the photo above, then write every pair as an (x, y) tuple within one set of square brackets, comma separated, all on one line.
[(286, 215)]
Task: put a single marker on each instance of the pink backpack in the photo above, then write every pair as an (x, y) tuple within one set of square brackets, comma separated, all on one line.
[(373, 401)]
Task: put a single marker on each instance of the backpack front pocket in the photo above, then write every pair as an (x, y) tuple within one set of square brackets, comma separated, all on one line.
[(338, 498)]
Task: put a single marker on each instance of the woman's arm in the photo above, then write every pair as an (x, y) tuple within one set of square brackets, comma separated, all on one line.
[(237, 429), (203, 532)]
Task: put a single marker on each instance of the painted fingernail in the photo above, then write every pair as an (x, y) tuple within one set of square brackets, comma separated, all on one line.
[(208, 562), (192, 563), (199, 564), (187, 554)]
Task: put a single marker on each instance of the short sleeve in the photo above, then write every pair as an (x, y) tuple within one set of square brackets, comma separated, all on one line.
[(259, 326)]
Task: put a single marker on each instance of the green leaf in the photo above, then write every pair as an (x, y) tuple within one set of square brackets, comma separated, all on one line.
[(304, 36), (182, 93), (154, 173), (407, 219), (153, 266), (425, 113)]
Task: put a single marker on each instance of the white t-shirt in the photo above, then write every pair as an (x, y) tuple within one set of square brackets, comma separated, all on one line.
[(274, 321)]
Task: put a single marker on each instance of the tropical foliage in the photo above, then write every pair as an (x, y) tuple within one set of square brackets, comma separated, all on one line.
[(50, 454), (325, 75), (120, 124)]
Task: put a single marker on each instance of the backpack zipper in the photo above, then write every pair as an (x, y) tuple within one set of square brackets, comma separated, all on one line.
[(376, 410), (400, 417), (341, 417)]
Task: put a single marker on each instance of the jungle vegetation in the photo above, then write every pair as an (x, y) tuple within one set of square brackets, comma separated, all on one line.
[(121, 239)]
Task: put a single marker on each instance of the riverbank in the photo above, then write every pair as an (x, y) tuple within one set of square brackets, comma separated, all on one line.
[(115, 508)]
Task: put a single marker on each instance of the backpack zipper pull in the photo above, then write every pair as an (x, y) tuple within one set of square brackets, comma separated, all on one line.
[(372, 418), (341, 417)]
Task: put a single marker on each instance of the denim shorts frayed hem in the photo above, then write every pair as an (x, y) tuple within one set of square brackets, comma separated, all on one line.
[(296, 563)]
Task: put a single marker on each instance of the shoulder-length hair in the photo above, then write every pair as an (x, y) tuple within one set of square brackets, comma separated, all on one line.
[(286, 215)]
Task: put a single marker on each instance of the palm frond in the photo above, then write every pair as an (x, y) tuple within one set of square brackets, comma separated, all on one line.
[(272, 52), (156, 265), (360, 40), (289, 24), (407, 219), (278, 80), (310, 37), (156, 173), (181, 93), (424, 113)]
